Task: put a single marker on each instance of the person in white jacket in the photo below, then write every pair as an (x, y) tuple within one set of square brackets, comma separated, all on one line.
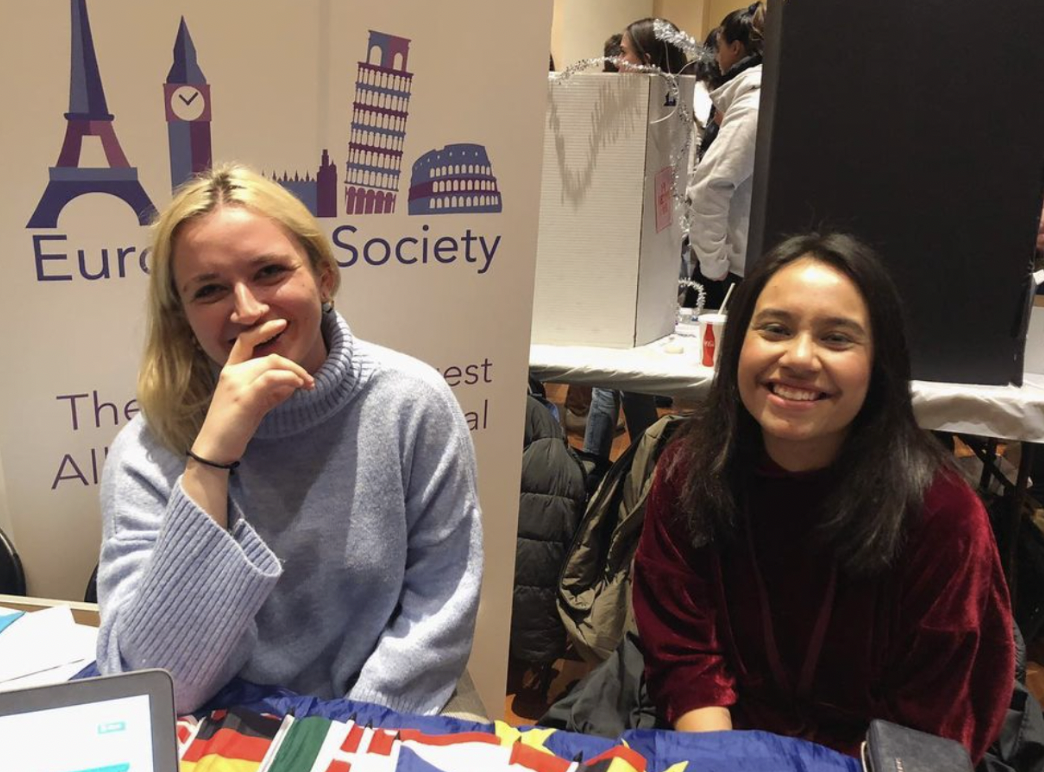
[(720, 189)]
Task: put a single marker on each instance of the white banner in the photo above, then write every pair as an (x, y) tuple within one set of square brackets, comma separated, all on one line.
[(412, 129)]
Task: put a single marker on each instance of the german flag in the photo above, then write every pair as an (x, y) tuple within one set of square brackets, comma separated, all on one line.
[(230, 741)]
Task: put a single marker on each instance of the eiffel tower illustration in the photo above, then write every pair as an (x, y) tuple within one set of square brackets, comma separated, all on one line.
[(88, 116)]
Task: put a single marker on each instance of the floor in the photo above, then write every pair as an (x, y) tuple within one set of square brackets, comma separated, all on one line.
[(530, 694)]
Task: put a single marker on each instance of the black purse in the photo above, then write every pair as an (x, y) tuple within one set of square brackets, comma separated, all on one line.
[(893, 748)]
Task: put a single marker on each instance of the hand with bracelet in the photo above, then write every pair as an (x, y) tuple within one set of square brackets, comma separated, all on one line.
[(247, 389)]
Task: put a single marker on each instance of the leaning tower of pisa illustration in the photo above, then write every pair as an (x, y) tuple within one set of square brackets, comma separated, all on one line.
[(378, 130)]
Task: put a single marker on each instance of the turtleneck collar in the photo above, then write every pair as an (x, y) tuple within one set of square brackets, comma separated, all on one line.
[(768, 468), (336, 382)]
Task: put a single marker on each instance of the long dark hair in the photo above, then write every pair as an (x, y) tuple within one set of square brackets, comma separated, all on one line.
[(886, 463), (747, 25), (705, 65), (659, 53), (612, 48)]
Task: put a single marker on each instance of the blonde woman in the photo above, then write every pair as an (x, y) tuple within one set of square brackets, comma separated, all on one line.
[(294, 505)]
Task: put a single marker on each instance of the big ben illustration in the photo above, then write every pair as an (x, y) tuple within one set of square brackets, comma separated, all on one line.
[(187, 96)]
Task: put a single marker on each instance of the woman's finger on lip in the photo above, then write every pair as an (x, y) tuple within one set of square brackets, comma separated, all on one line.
[(248, 340)]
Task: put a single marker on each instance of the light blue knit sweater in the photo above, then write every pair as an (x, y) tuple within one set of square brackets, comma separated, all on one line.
[(354, 557)]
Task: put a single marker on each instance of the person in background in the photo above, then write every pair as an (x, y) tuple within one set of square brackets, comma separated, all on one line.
[(705, 129), (293, 505), (708, 78), (720, 190), (812, 560), (612, 49), (639, 46)]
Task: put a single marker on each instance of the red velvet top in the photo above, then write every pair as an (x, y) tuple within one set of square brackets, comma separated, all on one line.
[(927, 644)]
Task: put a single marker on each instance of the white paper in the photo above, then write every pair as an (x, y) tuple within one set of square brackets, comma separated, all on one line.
[(56, 675), (43, 641)]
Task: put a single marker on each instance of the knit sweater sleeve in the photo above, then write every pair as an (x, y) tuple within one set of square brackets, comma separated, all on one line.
[(953, 665), (175, 590), (674, 598), (424, 649)]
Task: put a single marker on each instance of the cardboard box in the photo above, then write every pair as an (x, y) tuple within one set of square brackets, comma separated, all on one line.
[(608, 257)]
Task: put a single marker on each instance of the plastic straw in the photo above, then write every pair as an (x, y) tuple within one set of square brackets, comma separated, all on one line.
[(725, 302)]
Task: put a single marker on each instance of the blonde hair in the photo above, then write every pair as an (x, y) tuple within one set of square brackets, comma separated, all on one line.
[(176, 380)]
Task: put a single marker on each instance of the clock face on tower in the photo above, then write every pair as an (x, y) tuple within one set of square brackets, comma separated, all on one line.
[(187, 102)]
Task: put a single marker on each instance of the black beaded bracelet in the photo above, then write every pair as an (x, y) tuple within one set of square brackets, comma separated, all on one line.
[(206, 462)]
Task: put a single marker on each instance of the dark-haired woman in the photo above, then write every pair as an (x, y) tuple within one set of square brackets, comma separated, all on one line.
[(613, 48), (810, 559), (640, 46), (721, 187)]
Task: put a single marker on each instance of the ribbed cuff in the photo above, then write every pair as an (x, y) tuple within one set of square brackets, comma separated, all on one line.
[(401, 703), (200, 592)]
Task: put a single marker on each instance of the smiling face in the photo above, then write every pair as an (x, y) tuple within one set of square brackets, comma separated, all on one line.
[(235, 269), (805, 365)]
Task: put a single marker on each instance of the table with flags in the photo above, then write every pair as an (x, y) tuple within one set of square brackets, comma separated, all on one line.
[(273, 730)]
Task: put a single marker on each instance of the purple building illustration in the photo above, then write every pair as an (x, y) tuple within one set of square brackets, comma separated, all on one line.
[(187, 97), (326, 188), (379, 112), (88, 116), (188, 108), (319, 194), (457, 178)]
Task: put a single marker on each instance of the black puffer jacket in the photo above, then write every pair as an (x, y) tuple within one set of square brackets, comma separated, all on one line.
[(550, 509)]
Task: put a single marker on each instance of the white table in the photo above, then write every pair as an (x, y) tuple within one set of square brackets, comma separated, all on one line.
[(1003, 412), (670, 367)]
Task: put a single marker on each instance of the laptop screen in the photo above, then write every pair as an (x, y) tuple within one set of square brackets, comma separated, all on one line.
[(110, 724)]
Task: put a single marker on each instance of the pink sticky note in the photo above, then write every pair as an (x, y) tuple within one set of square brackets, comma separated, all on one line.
[(663, 198)]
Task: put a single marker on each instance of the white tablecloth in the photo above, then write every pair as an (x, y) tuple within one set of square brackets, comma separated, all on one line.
[(670, 367)]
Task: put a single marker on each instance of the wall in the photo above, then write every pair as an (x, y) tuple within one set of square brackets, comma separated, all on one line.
[(688, 15), (719, 9), (580, 27)]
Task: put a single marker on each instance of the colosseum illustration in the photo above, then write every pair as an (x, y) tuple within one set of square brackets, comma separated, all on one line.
[(458, 178)]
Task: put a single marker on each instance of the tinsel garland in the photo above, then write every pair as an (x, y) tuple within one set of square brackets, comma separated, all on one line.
[(701, 295), (678, 160), (668, 33), (699, 55)]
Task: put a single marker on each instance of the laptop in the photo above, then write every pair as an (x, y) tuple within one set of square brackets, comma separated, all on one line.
[(118, 723)]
